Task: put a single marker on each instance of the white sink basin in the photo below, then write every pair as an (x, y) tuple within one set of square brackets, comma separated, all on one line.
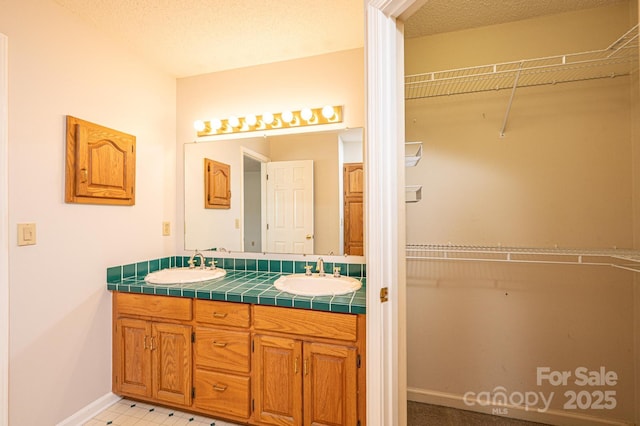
[(175, 276), (315, 285)]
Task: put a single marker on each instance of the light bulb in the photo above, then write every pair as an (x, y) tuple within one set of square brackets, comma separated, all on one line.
[(251, 120), (216, 124), (306, 114), (233, 121), (328, 112), (198, 125), (267, 118), (287, 116)]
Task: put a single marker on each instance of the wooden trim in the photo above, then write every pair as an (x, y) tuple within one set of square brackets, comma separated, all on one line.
[(4, 231)]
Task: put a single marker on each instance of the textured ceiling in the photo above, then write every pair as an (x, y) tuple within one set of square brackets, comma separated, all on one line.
[(441, 16), (190, 37)]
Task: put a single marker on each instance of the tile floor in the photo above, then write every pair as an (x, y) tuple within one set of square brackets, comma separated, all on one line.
[(126, 412)]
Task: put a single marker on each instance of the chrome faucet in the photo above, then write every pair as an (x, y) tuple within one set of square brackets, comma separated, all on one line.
[(320, 267), (192, 263)]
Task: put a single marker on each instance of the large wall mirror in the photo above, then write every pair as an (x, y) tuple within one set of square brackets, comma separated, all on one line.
[(294, 193)]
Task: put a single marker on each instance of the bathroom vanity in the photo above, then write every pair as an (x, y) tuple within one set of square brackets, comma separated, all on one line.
[(242, 360)]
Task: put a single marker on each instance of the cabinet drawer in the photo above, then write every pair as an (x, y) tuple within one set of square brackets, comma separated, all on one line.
[(223, 313), (164, 307), (223, 393), (329, 325), (223, 349)]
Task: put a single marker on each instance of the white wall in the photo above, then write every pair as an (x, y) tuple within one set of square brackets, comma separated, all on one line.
[(60, 311)]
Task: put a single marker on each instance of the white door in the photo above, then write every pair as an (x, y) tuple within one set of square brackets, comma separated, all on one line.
[(290, 207)]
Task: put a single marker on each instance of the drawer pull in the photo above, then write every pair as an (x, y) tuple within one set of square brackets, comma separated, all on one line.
[(219, 344), (220, 388), (219, 314)]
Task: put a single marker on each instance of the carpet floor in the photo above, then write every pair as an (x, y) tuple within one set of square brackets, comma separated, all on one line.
[(419, 414)]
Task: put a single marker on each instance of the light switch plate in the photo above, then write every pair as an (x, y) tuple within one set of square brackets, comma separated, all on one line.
[(26, 234), (166, 229)]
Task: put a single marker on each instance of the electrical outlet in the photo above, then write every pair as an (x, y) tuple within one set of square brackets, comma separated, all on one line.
[(166, 229), (26, 234)]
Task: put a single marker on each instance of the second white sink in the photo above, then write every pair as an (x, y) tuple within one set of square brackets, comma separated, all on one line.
[(315, 285), (175, 276)]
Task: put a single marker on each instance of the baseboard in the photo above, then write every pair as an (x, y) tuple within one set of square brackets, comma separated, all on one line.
[(90, 411), (553, 417)]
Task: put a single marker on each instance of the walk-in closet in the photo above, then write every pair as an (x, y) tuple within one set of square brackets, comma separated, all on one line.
[(523, 209)]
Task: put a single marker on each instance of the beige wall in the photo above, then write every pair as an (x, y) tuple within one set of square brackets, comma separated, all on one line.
[(60, 310), (335, 79), (562, 175)]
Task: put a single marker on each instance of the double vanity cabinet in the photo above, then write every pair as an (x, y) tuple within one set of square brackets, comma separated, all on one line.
[(251, 364)]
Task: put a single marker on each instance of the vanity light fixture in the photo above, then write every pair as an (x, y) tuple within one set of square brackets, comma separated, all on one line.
[(287, 116), (305, 113), (270, 121), (199, 125), (267, 118), (234, 121), (216, 124), (328, 112), (251, 120)]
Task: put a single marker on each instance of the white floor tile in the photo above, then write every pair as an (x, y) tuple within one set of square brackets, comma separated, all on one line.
[(128, 413)]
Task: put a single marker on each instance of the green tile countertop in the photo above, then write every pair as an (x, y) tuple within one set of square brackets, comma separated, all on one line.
[(251, 282)]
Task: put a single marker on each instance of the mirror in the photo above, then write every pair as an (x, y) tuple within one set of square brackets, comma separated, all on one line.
[(293, 193)]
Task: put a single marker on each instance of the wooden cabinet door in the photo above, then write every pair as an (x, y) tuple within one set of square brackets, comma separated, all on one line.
[(330, 385), (101, 164), (278, 380), (353, 209), (171, 360), (217, 185), (133, 362)]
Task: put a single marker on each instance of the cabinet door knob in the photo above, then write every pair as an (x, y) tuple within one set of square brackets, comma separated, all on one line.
[(83, 175), (219, 344), (295, 365), (219, 388)]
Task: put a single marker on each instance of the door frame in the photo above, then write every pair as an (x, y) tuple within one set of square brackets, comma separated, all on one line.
[(4, 232), (385, 210), (246, 152)]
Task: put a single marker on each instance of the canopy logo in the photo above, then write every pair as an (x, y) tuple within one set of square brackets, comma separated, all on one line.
[(583, 399)]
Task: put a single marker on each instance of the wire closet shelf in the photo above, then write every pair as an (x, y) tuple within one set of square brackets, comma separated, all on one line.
[(619, 59), (618, 258)]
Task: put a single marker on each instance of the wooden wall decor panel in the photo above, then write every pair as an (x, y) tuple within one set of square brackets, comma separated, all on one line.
[(100, 164)]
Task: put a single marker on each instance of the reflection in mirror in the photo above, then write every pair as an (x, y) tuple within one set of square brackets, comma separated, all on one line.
[(295, 193)]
